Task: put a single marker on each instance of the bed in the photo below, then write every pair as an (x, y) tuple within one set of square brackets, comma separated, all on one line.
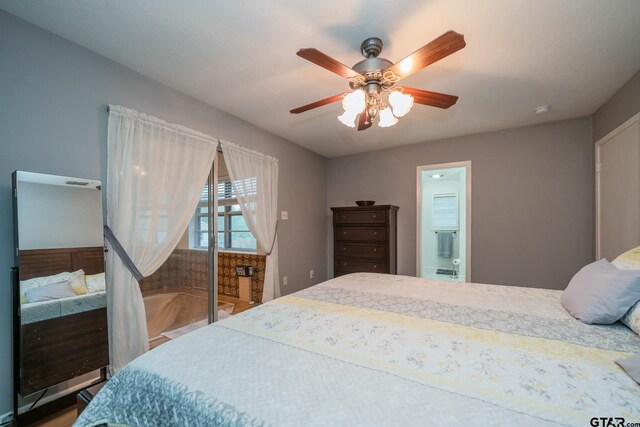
[(45, 310), (369, 349)]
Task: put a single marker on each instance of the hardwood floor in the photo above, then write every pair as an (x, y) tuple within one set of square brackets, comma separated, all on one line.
[(64, 418)]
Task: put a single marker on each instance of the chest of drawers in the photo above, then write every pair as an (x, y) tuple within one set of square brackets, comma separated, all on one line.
[(364, 239)]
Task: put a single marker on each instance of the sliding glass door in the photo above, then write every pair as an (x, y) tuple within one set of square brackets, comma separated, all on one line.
[(181, 295), (213, 241)]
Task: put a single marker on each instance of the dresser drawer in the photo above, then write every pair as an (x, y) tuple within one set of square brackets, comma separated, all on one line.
[(345, 266), (368, 234), (366, 217), (364, 239), (361, 250)]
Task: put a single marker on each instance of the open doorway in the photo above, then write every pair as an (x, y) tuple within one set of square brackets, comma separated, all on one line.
[(444, 221)]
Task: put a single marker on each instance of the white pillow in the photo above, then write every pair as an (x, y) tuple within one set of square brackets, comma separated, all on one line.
[(50, 292), (75, 279), (600, 293), (95, 283), (631, 366), (630, 260), (632, 318)]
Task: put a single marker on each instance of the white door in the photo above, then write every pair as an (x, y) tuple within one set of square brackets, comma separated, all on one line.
[(618, 190)]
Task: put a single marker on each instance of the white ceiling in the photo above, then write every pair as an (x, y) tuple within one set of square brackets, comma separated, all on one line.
[(239, 55)]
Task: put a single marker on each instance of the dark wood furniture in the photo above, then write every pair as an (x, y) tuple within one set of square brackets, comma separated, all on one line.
[(47, 262), (365, 239), (62, 348), (58, 349)]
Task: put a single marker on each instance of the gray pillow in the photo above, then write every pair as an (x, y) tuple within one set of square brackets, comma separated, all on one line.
[(631, 366), (601, 293), (50, 292)]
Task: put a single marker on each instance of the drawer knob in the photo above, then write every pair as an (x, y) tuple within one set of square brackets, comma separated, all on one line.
[(375, 266), (344, 248), (375, 233), (375, 249), (374, 216), (344, 233), (344, 265), (344, 217)]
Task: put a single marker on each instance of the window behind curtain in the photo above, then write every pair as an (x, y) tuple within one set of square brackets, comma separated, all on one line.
[(233, 233)]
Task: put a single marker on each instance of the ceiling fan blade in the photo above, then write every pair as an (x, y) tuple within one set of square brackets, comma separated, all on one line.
[(364, 122), (434, 99), (317, 104), (434, 51), (327, 62)]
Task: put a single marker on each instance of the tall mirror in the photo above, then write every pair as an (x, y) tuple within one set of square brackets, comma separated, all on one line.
[(60, 331)]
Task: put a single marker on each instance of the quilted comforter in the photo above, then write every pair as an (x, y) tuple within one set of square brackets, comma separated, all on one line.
[(378, 350)]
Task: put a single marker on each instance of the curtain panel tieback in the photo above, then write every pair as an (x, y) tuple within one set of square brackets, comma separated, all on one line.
[(273, 243), (124, 257)]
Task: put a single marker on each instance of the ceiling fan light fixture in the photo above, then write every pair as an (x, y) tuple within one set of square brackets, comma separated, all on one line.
[(354, 102), (400, 103), (348, 118), (387, 119), (372, 81)]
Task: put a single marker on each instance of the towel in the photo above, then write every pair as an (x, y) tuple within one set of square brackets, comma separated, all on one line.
[(445, 244)]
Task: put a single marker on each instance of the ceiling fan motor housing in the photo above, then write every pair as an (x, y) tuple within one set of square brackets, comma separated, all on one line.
[(371, 47), (372, 68)]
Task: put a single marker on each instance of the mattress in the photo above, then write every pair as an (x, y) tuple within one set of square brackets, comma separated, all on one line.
[(368, 349), (38, 311)]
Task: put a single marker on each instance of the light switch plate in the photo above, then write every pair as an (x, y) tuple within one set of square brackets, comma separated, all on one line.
[(285, 280), (285, 215)]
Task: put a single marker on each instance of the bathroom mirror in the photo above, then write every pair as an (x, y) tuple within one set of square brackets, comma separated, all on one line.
[(60, 316)]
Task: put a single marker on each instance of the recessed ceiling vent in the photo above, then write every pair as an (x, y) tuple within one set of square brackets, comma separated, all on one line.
[(78, 183)]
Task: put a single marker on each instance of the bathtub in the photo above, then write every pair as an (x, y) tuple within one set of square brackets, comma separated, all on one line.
[(173, 310), (169, 311)]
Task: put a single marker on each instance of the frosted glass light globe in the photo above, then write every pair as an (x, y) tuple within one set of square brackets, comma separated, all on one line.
[(348, 118), (400, 102), (387, 118), (354, 102)]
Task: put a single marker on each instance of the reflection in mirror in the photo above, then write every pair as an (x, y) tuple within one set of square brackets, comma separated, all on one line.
[(61, 289)]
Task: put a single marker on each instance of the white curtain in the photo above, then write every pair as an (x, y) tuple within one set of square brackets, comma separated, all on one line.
[(254, 177), (155, 174)]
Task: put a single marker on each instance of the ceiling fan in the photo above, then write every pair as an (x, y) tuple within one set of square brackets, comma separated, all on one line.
[(374, 79)]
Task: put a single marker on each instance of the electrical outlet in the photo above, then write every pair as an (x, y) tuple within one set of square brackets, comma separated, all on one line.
[(310, 274), (285, 280), (285, 215)]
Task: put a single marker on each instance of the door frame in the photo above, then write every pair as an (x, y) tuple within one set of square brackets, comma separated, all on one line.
[(466, 164), (598, 168)]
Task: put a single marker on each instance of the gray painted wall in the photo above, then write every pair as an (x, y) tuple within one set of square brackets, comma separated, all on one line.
[(617, 110), (53, 119), (532, 199)]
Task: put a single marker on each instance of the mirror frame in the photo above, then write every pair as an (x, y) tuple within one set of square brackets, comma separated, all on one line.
[(97, 323)]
